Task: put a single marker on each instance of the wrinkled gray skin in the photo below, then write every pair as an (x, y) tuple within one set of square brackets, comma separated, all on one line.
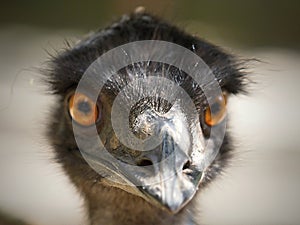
[(167, 179)]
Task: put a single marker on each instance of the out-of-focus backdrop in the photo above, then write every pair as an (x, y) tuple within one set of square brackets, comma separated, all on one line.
[(261, 187)]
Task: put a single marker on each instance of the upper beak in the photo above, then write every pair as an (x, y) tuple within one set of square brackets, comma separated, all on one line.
[(170, 181)]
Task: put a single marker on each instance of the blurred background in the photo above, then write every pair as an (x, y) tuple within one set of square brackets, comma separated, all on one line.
[(261, 187)]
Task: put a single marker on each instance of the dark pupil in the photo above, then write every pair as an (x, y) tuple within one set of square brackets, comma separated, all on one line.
[(84, 107), (215, 108)]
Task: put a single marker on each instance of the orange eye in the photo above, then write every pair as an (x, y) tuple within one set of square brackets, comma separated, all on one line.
[(217, 111), (83, 110)]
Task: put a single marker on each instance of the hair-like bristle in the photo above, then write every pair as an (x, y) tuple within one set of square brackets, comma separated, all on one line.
[(66, 69), (64, 73)]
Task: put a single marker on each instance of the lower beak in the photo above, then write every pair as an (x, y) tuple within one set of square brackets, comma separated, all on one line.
[(172, 193), (172, 183)]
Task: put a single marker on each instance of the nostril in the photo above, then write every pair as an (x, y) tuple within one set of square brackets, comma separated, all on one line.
[(186, 165), (144, 162)]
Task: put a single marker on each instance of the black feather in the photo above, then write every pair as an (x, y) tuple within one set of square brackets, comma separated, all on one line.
[(65, 71)]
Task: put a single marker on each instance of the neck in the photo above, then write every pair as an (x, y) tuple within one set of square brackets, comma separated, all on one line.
[(113, 206)]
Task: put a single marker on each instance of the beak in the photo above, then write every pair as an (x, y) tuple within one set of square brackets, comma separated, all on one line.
[(172, 185), (168, 180)]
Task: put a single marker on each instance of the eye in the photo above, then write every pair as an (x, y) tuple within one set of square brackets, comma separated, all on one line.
[(82, 109), (217, 111)]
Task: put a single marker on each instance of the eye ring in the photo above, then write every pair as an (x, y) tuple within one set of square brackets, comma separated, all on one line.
[(216, 113), (82, 109)]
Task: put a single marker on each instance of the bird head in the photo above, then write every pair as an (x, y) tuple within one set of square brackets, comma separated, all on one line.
[(148, 128)]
